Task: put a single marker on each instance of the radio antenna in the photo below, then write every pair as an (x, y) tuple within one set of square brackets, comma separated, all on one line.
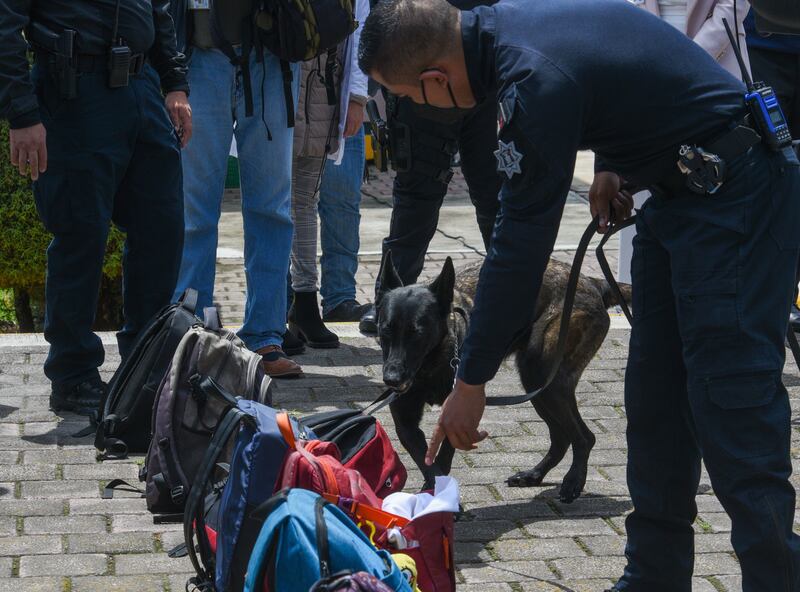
[(745, 74)]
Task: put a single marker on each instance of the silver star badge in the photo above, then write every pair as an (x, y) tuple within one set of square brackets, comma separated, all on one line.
[(508, 158)]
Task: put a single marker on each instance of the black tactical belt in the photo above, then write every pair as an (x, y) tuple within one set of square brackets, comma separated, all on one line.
[(87, 63)]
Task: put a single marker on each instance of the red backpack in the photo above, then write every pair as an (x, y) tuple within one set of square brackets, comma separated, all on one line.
[(364, 445), (317, 466)]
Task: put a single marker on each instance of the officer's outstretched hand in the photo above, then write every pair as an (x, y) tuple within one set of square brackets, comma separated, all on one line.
[(181, 114), (29, 150), (459, 420), (605, 193)]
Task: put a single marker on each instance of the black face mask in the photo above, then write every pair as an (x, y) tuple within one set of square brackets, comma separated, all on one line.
[(441, 114)]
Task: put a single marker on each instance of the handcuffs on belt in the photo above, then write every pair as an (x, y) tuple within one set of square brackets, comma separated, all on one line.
[(704, 171)]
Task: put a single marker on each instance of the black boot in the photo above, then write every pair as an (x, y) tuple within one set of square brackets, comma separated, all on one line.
[(794, 318), (305, 322), (369, 322), (83, 398), (292, 345)]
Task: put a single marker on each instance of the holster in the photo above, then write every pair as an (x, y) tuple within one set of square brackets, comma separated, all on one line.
[(58, 52), (414, 150)]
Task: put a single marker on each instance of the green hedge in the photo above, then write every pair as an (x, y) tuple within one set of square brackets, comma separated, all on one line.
[(24, 240)]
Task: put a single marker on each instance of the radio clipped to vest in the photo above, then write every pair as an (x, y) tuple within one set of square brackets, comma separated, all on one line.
[(763, 104)]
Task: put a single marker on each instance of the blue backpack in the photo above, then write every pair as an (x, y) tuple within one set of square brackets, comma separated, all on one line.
[(259, 449), (305, 539)]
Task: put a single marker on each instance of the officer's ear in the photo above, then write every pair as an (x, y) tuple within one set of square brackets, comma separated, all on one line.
[(435, 75), (388, 278), (442, 287)]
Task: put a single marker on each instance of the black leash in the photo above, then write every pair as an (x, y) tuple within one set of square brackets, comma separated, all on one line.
[(791, 338), (561, 346)]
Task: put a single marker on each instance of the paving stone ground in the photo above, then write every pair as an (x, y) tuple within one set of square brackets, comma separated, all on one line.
[(57, 534)]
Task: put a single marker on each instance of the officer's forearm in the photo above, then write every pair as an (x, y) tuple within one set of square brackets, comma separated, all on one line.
[(508, 288), (18, 101), (164, 55)]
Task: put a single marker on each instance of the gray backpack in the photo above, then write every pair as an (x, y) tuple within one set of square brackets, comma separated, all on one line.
[(210, 370)]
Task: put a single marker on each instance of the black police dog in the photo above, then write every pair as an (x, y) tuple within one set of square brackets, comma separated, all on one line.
[(419, 335)]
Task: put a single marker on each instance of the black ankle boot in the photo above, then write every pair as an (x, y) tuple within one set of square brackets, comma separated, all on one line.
[(292, 346), (305, 322)]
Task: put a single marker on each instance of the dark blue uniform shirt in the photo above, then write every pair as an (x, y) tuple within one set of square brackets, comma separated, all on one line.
[(584, 74), (145, 25)]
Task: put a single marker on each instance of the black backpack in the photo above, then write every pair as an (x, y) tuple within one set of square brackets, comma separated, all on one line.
[(292, 30), (125, 423)]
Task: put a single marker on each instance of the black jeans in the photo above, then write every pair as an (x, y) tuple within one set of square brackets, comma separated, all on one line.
[(112, 156), (418, 197)]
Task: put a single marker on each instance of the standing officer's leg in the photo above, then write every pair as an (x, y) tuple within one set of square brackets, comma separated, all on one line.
[(734, 257), (663, 459), (149, 207), (477, 143), (87, 142), (418, 192)]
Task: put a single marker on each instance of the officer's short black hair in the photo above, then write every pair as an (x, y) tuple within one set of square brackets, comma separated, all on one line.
[(401, 38)]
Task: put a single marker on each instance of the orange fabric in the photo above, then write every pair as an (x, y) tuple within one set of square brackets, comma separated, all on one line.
[(376, 515), (285, 426)]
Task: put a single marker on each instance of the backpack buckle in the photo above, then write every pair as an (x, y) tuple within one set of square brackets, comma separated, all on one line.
[(177, 495)]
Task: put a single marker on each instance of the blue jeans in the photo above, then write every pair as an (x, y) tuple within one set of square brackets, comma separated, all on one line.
[(339, 200), (265, 167)]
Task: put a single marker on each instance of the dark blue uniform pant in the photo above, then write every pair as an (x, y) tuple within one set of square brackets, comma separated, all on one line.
[(712, 285), (113, 155), (418, 197)]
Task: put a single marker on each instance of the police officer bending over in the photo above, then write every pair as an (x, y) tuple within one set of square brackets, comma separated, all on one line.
[(713, 264), (89, 125)]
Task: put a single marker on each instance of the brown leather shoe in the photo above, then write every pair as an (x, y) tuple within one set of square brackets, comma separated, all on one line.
[(277, 365)]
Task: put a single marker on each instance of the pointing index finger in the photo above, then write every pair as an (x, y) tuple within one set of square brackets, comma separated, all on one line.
[(436, 441)]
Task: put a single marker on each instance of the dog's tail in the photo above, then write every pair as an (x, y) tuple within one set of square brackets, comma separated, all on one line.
[(610, 297)]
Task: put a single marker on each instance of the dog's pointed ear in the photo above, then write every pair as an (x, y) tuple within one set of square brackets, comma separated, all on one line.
[(388, 278), (442, 287)]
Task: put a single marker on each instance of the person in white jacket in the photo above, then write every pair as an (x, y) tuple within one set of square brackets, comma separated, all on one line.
[(327, 170), (701, 20)]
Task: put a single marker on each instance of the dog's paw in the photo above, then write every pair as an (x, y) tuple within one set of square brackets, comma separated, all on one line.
[(532, 478), (572, 486)]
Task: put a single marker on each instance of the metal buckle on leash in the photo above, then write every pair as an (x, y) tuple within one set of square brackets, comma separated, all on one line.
[(705, 171)]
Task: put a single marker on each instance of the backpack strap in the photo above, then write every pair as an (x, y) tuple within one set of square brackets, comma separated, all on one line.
[(286, 71), (193, 516), (122, 485), (188, 301), (330, 70), (244, 60), (210, 388), (323, 550), (211, 318), (285, 427), (113, 448)]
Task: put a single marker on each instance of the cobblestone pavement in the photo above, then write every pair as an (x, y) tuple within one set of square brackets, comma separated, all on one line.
[(57, 534)]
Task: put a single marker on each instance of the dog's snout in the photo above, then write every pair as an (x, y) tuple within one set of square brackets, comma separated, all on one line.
[(395, 377)]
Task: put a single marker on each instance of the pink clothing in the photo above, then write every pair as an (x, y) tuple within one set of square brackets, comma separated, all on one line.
[(704, 25)]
